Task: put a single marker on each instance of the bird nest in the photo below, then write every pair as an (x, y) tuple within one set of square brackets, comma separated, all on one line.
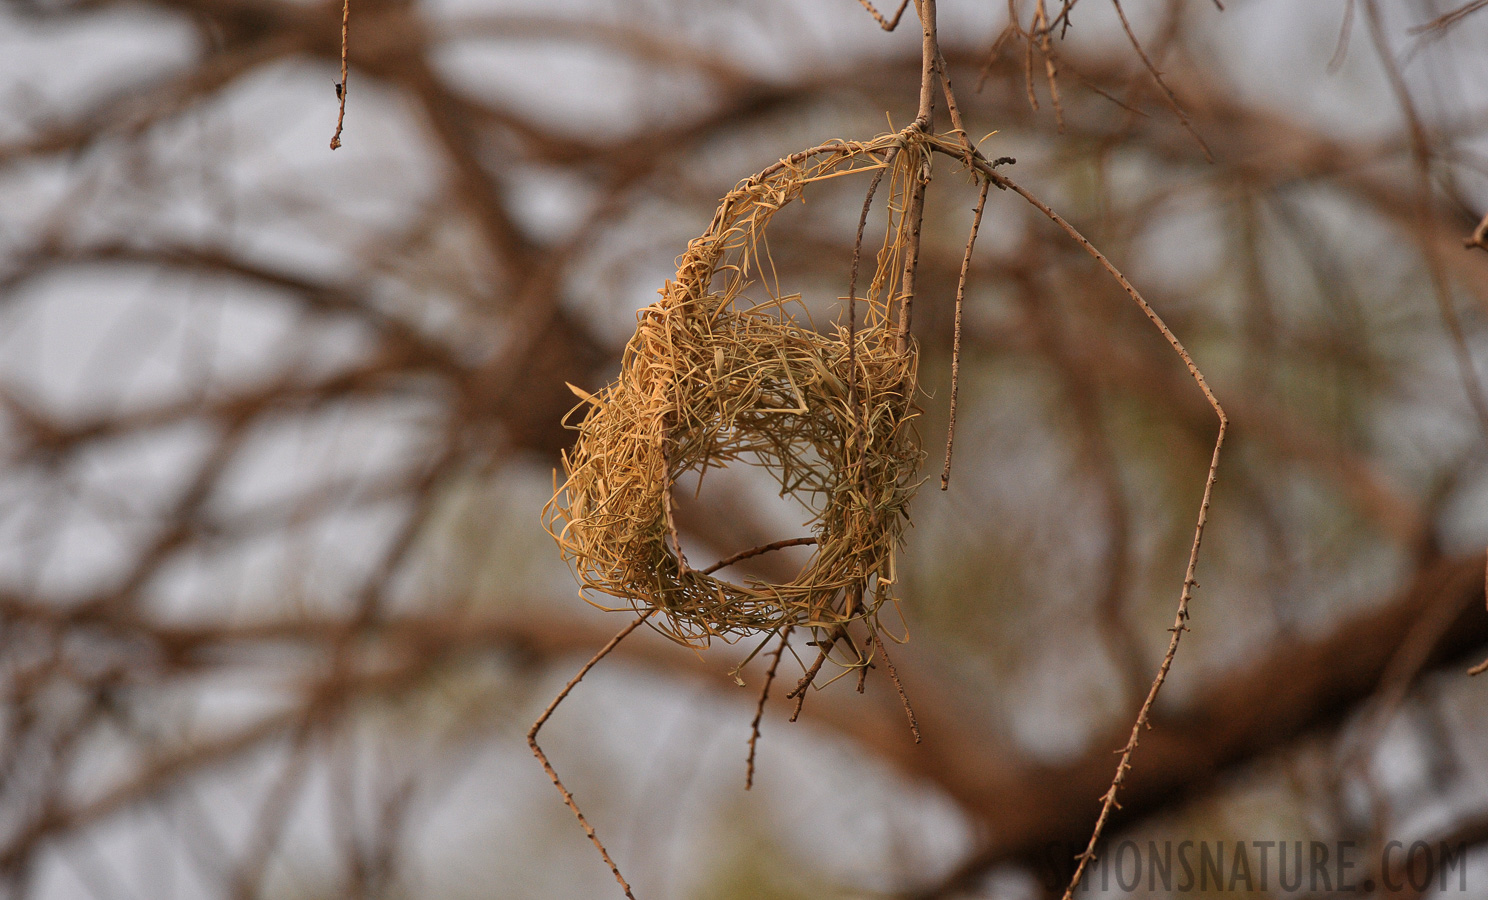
[(713, 377)]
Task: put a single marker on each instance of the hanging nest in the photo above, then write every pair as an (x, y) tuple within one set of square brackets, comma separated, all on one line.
[(713, 377)]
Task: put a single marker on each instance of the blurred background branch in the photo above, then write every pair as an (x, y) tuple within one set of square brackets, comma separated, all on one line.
[(276, 425)]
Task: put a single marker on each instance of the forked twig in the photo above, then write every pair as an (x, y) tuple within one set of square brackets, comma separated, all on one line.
[(835, 634), (548, 767), (798, 693), (341, 85), (1036, 35), (1062, 21), (1051, 71), (759, 710), (885, 24)]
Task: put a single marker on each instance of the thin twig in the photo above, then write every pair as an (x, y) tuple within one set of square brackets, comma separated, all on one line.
[(1344, 32), (756, 551), (915, 210), (1062, 21), (1009, 31), (1027, 57), (1448, 20), (1051, 72), (341, 86), (929, 50), (759, 710), (914, 726), (1108, 800), (1400, 675), (976, 224), (1157, 77), (548, 767), (1100, 91), (274, 814), (885, 24), (798, 693), (852, 297), (1004, 182), (957, 124), (1479, 237), (1421, 153)]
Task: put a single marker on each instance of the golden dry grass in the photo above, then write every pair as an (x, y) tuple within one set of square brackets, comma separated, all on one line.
[(712, 378)]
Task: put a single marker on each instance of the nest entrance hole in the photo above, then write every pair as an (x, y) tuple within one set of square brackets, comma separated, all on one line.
[(719, 494)]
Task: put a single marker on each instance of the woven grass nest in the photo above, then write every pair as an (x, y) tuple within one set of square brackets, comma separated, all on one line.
[(714, 376)]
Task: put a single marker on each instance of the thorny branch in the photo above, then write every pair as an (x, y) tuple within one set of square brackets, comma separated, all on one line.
[(548, 767), (341, 85), (1180, 620), (759, 710)]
